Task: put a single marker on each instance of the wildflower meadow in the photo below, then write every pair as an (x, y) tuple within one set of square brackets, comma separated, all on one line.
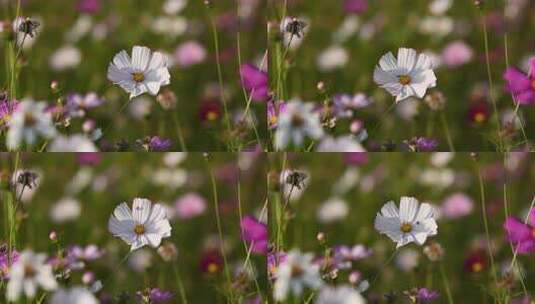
[(437, 75), (401, 228), (133, 228), (166, 75)]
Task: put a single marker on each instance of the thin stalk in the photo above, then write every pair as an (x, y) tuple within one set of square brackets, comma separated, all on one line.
[(485, 223), (447, 131), (219, 227), (491, 84), (446, 283), (215, 37), (179, 133), (180, 284)]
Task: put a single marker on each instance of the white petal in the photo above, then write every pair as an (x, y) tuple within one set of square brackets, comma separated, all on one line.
[(420, 237), (426, 211), (139, 242), (141, 209), (406, 59), (157, 61), (13, 290), (408, 207), (405, 92), (117, 76), (122, 212), (140, 58), (153, 88), (29, 288), (419, 89), (382, 77), (122, 60), (424, 62), (154, 239), (388, 62), (390, 210)]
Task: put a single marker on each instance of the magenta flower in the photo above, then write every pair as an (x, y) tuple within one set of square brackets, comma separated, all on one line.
[(356, 6), (521, 85), (88, 6), (255, 82), (4, 261), (520, 234), (255, 233), (425, 295), (159, 144)]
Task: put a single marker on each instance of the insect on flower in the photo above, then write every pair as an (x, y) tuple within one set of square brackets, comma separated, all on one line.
[(296, 27)]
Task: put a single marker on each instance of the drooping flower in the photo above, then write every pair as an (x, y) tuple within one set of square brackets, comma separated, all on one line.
[(412, 222), (294, 274), (28, 123), (145, 224), (297, 122), (339, 295), (410, 75), (520, 234), (521, 85), (255, 233), (255, 81), (28, 273), (145, 72), (75, 295)]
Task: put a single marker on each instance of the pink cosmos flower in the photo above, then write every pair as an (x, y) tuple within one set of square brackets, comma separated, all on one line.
[(456, 54), (520, 234), (255, 233), (255, 81), (190, 205), (457, 205), (189, 53), (521, 85)]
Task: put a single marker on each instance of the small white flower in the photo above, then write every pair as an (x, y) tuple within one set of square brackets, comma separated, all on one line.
[(143, 225), (27, 274), (345, 143), (65, 58), (296, 122), (145, 72), (339, 295), (410, 75), (30, 121), (334, 209), (413, 222), (66, 209), (74, 143), (296, 273), (334, 57), (75, 295)]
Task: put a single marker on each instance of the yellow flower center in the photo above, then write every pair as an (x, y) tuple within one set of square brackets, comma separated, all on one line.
[(211, 116), (138, 77), (533, 84), (29, 271), (297, 120), (297, 271), (533, 232), (212, 268), (406, 227), (480, 117), (405, 79), (139, 229), (29, 120), (477, 267)]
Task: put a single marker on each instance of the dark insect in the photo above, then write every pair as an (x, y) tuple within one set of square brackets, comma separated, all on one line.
[(296, 179), (29, 27), (296, 27), (28, 179)]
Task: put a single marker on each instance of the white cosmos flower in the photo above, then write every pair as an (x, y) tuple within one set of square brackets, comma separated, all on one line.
[(75, 295), (346, 143), (410, 75), (296, 122), (29, 122), (296, 273), (145, 72), (74, 143), (339, 295), (413, 222), (144, 225), (27, 274)]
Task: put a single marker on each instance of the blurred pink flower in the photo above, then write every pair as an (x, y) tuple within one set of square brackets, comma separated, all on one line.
[(521, 235), (457, 205), (456, 54), (255, 233), (190, 205), (88, 6), (189, 53)]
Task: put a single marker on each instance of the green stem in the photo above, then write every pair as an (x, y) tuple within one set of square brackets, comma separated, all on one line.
[(446, 283), (180, 284)]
